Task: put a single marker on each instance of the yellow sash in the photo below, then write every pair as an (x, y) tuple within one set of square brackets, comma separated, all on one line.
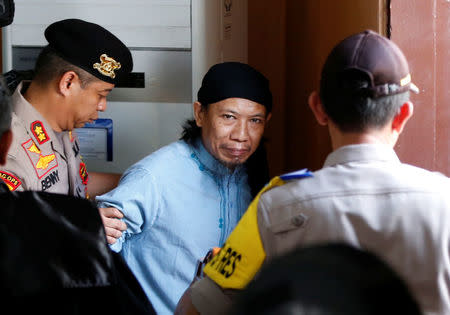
[(243, 253)]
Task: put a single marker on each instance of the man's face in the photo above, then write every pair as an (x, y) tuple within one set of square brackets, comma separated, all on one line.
[(87, 101), (231, 129)]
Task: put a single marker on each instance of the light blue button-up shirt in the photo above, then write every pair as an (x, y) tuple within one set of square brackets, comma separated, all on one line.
[(178, 202)]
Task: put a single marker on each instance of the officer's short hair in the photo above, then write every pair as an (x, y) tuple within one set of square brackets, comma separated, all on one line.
[(364, 81), (5, 107), (50, 66), (353, 112)]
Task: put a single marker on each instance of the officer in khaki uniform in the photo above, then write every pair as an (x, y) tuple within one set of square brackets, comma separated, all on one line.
[(363, 196), (73, 75), (41, 159)]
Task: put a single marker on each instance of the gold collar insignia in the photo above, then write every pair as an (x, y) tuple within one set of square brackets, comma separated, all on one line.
[(107, 66)]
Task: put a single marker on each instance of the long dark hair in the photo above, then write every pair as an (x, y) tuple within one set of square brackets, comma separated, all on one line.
[(257, 165)]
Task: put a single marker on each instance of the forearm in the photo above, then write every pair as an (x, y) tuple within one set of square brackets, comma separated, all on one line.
[(100, 183), (205, 297), (185, 305)]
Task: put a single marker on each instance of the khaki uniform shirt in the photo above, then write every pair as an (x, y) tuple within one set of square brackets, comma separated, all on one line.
[(39, 158), (363, 196)]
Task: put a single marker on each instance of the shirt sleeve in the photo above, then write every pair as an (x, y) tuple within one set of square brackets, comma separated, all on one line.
[(138, 197), (209, 298), (11, 180), (16, 175)]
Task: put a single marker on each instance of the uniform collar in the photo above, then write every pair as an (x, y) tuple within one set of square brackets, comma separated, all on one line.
[(361, 152), (29, 115), (209, 163), (24, 109)]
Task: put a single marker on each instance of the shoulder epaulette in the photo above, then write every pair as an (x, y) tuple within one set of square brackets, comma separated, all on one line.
[(297, 174), (38, 130)]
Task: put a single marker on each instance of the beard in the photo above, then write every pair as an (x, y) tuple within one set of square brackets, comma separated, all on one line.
[(233, 163)]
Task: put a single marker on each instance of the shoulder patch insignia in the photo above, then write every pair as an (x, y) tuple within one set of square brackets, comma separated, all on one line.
[(42, 163), (297, 174), (10, 180), (39, 132)]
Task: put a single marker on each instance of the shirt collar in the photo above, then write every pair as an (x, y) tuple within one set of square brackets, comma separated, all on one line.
[(361, 152), (209, 163), (24, 109)]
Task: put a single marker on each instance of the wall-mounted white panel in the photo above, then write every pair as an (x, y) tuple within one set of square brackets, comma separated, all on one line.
[(234, 33), (167, 74), (138, 130), (219, 33), (162, 24)]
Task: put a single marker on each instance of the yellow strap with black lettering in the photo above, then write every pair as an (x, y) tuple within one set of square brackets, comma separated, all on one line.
[(243, 253)]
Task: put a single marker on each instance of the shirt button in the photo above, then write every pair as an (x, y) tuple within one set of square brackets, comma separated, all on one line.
[(298, 220)]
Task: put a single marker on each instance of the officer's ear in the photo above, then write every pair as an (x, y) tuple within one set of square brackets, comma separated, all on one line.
[(404, 113), (67, 81), (5, 143), (317, 108)]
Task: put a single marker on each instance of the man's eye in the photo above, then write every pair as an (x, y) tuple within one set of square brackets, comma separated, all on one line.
[(256, 120), (228, 116)]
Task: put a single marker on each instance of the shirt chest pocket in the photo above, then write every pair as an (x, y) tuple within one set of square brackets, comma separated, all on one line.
[(290, 223)]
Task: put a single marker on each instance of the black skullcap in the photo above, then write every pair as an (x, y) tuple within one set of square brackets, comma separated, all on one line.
[(380, 59), (90, 47), (235, 79)]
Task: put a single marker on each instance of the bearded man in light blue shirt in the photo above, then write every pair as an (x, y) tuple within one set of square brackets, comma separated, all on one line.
[(186, 198)]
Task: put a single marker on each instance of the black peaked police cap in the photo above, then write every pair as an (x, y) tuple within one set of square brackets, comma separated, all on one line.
[(235, 79), (90, 47)]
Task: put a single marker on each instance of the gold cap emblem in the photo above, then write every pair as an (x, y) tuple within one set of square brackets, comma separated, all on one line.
[(107, 66)]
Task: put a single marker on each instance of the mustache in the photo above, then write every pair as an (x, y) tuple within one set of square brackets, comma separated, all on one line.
[(232, 147)]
